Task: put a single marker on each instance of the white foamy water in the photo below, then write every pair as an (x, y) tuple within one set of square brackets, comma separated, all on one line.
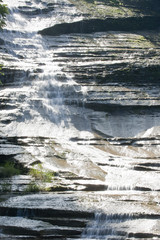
[(127, 175), (39, 95)]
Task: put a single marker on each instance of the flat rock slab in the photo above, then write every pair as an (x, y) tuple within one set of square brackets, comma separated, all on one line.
[(122, 213), (84, 204)]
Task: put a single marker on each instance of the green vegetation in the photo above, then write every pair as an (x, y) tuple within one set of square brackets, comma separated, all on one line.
[(117, 8), (3, 12), (9, 170), (108, 2), (139, 4), (39, 174), (33, 187), (0, 71), (104, 8), (41, 177)]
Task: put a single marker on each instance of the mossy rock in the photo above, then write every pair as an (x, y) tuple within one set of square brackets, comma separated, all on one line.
[(117, 8), (8, 170)]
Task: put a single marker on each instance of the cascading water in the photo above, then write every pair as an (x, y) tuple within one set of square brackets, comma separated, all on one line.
[(118, 171), (42, 91), (30, 53), (104, 227)]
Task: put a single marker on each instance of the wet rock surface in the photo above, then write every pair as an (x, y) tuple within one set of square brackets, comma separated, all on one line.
[(80, 134)]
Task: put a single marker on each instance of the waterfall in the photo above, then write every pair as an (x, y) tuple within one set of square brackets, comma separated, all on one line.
[(46, 101), (72, 104), (42, 111), (105, 227)]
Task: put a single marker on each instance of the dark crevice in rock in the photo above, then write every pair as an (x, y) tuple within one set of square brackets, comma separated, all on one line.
[(143, 189), (77, 139), (1, 41), (150, 165), (99, 25), (118, 108), (11, 76), (7, 158), (122, 74), (64, 221), (46, 212), (18, 231), (143, 235), (140, 168)]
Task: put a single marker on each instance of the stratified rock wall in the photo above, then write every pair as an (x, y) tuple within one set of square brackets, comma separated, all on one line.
[(100, 25), (80, 120)]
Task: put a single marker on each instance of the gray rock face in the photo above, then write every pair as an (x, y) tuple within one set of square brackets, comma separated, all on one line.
[(1, 41), (80, 120), (101, 25)]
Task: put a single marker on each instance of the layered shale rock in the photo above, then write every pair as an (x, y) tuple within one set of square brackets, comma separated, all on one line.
[(80, 135), (101, 25)]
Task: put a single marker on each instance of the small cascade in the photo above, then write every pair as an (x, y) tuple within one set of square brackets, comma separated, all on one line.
[(105, 227)]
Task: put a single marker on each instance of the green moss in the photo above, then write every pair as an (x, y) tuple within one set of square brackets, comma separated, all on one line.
[(35, 186), (108, 2), (8, 170), (104, 8)]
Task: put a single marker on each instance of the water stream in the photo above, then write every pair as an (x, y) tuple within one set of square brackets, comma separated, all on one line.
[(39, 93)]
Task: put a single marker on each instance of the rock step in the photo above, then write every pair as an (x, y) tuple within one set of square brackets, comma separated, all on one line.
[(74, 93), (128, 227), (120, 73), (51, 214), (103, 60), (80, 223), (99, 25), (109, 237), (43, 227), (31, 11), (10, 237), (46, 234), (113, 107), (20, 237), (112, 226), (24, 226), (12, 75), (47, 212), (109, 232)]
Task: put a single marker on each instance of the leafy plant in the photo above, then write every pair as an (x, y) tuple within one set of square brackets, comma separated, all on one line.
[(39, 174), (1, 66), (33, 187), (3, 12)]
